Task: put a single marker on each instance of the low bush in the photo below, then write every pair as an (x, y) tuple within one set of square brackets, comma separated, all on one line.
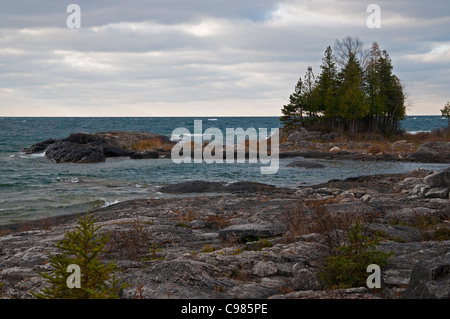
[(347, 268)]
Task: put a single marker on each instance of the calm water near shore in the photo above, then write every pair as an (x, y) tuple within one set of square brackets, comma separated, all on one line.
[(32, 187)]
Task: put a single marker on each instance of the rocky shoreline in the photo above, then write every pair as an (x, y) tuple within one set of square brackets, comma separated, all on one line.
[(96, 147), (250, 241)]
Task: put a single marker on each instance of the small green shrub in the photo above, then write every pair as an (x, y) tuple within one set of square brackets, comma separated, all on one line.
[(207, 249), (154, 253), (347, 268), (260, 244), (441, 233), (81, 247)]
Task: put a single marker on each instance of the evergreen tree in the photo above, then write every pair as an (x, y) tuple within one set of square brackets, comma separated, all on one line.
[(372, 81), (327, 86), (293, 111), (352, 101), (310, 94), (392, 94), (81, 247), (446, 112), (366, 95)]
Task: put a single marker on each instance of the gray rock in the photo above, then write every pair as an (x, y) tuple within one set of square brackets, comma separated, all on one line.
[(400, 233), (92, 148), (325, 191), (264, 269), (305, 192), (179, 278), (420, 190), (408, 215), (439, 179), (38, 147), (405, 255), (193, 187), (145, 155), (248, 187), (252, 291), (303, 134), (335, 150), (440, 192), (306, 278), (68, 152), (241, 232), (351, 293), (434, 152), (215, 187), (430, 279), (410, 182), (366, 198), (399, 144)]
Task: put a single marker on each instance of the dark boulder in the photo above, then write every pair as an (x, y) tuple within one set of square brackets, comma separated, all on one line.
[(96, 147), (193, 187), (245, 232), (434, 152), (216, 187), (145, 155), (67, 152), (439, 179), (38, 147), (430, 279)]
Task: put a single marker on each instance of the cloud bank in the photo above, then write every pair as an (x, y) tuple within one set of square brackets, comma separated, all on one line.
[(205, 57)]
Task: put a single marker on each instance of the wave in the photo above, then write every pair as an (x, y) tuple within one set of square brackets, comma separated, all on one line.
[(109, 203), (212, 119), (35, 155), (7, 185), (416, 132)]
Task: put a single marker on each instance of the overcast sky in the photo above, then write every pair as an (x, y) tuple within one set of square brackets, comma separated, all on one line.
[(204, 57)]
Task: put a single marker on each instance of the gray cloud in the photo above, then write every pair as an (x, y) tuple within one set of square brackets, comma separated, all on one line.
[(203, 57)]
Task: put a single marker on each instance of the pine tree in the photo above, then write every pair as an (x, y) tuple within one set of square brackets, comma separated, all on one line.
[(363, 93), (392, 94), (310, 94), (352, 101), (327, 86), (81, 247), (372, 85), (446, 112), (293, 111)]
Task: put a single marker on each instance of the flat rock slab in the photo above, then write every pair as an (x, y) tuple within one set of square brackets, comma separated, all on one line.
[(252, 231)]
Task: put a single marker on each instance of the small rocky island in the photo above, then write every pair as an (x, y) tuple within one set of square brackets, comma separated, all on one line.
[(96, 147)]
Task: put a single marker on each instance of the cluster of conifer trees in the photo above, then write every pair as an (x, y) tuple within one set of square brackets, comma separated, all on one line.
[(355, 91)]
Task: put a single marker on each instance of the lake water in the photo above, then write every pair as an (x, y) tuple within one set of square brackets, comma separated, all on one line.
[(31, 186)]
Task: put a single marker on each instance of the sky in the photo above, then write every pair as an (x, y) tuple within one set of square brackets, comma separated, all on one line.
[(204, 57)]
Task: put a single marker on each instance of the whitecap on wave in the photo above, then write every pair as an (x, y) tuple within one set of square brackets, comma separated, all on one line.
[(109, 203), (35, 155)]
